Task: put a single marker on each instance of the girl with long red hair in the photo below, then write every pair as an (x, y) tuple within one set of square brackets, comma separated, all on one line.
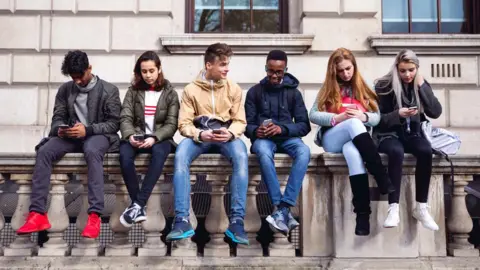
[(345, 110)]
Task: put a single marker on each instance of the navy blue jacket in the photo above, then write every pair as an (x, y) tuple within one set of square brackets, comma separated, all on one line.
[(282, 103)]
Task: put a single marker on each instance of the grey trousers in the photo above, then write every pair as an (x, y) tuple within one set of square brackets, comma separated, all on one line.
[(94, 148)]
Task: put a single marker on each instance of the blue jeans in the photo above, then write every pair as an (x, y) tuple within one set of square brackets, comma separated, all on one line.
[(265, 150), (338, 139), (188, 150)]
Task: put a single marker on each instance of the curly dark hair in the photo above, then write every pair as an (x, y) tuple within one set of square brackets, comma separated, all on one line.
[(138, 83), (75, 62), (220, 50)]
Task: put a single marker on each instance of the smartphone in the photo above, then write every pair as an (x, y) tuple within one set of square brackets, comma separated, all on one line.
[(349, 105), (63, 126), (266, 122), (413, 108), (139, 137), (217, 131)]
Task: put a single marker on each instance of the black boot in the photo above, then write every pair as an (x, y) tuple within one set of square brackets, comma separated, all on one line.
[(361, 203), (373, 162)]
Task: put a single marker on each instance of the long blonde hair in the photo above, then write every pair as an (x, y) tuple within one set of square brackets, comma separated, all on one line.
[(393, 82), (330, 96)]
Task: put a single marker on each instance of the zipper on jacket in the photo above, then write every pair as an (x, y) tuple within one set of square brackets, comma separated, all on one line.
[(213, 98)]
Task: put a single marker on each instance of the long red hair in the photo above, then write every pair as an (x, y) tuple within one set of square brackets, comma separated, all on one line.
[(330, 96)]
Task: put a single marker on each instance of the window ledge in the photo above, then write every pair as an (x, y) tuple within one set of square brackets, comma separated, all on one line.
[(240, 43), (454, 44)]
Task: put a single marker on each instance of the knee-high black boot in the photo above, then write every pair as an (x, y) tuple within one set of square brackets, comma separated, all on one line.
[(361, 203), (373, 162)]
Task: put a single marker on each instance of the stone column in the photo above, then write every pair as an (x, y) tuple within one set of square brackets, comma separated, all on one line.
[(459, 222), (57, 214), (22, 245), (86, 246), (216, 222), (281, 247), (2, 218), (253, 221), (120, 245), (185, 247), (154, 225)]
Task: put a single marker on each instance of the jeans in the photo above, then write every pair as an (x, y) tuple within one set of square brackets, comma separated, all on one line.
[(94, 148), (338, 139), (265, 150), (421, 149), (188, 150), (128, 153)]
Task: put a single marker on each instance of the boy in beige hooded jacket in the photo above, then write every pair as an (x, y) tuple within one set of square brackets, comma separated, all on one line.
[(212, 118)]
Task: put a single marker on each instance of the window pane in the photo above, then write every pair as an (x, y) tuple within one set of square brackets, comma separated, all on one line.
[(266, 4), (424, 16), (207, 16), (266, 16), (266, 21), (237, 16), (453, 16), (395, 16), (237, 4)]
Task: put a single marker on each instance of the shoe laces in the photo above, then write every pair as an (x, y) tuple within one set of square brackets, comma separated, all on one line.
[(392, 208), (93, 218), (281, 214), (180, 220), (134, 210)]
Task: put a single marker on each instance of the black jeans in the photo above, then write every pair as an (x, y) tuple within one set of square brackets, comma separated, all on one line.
[(128, 153), (421, 149), (94, 148)]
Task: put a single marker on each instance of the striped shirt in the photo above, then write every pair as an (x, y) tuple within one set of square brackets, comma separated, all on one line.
[(151, 100)]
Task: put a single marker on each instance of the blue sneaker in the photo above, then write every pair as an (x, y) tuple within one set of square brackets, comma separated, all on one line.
[(237, 233), (292, 223), (181, 229), (279, 219)]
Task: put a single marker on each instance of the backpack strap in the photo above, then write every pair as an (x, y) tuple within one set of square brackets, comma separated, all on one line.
[(447, 158)]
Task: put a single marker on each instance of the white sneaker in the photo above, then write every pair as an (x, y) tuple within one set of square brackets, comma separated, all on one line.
[(393, 218), (421, 214)]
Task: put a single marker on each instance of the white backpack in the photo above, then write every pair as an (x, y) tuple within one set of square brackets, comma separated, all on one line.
[(443, 142)]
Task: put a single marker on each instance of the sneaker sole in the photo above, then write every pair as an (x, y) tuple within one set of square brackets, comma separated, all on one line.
[(125, 223), (390, 226), (230, 235), (184, 235), (140, 219), (273, 224), (90, 236), (432, 229)]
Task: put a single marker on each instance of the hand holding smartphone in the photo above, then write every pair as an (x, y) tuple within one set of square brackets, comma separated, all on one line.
[(266, 122), (139, 137), (63, 126), (349, 105), (413, 108), (217, 131)]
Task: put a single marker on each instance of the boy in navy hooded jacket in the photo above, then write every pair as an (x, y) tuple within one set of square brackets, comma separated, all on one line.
[(276, 121)]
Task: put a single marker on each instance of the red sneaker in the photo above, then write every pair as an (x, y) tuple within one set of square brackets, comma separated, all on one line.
[(35, 222), (92, 229)]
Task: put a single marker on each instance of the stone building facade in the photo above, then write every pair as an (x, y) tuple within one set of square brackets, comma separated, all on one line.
[(35, 35)]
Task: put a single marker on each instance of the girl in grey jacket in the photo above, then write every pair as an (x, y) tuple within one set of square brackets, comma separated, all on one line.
[(344, 110)]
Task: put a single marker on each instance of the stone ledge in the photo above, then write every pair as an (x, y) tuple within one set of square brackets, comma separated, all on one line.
[(216, 163), (427, 44), (240, 43), (236, 263)]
